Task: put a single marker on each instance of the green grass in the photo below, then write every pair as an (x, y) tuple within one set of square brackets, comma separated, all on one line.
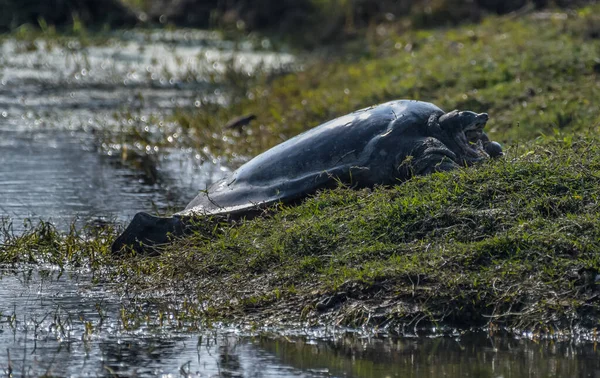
[(514, 242), (40, 243)]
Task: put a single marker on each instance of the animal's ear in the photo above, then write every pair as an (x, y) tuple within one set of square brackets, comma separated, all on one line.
[(449, 120)]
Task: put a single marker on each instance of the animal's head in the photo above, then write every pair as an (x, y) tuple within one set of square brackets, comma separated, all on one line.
[(462, 132)]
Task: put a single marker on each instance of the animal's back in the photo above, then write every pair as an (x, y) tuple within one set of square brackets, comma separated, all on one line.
[(301, 164), (327, 145)]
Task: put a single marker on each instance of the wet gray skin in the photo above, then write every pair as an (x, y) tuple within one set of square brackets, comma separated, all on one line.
[(380, 145)]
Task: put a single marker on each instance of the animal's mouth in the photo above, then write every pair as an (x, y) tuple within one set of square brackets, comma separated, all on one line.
[(472, 139)]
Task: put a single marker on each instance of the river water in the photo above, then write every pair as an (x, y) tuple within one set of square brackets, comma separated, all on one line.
[(53, 102), (62, 325), (54, 99)]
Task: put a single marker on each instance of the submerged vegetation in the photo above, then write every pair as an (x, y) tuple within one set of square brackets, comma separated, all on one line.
[(509, 243)]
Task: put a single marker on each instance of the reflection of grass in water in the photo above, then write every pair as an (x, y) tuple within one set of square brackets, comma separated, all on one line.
[(49, 336), (45, 332), (56, 326), (479, 355)]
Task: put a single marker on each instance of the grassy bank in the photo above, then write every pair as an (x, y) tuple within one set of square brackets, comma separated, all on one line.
[(513, 242)]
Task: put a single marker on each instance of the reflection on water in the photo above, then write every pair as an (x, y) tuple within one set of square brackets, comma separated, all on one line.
[(471, 355), (59, 176), (53, 98), (62, 325)]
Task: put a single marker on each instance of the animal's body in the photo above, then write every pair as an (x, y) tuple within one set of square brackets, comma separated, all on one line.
[(380, 145)]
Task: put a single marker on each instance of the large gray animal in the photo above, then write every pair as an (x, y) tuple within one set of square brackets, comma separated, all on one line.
[(383, 144)]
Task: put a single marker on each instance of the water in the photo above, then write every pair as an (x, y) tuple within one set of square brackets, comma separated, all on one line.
[(60, 324), (53, 101), (65, 326)]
